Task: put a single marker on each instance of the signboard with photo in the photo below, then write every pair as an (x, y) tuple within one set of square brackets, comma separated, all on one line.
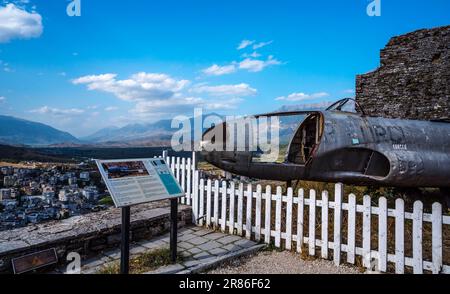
[(138, 181)]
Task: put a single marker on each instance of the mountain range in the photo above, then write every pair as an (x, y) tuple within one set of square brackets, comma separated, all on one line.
[(15, 131)]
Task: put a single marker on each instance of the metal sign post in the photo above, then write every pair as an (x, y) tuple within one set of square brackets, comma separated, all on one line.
[(173, 229), (125, 243)]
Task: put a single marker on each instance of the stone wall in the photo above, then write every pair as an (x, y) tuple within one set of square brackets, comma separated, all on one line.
[(413, 80), (88, 234)]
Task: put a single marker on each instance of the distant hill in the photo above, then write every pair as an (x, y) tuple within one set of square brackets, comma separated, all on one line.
[(160, 131), (145, 134), (16, 154), (15, 131)]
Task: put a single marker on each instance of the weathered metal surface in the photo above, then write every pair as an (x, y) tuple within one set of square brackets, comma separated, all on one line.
[(354, 149)]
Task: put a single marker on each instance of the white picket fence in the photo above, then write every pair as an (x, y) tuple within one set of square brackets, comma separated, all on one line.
[(245, 211)]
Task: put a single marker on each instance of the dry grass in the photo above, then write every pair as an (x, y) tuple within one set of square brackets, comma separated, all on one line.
[(142, 263)]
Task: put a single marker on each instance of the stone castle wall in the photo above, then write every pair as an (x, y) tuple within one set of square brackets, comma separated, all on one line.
[(413, 80)]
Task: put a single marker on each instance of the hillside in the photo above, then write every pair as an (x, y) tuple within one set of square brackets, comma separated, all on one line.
[(15, 131), (16, 154)]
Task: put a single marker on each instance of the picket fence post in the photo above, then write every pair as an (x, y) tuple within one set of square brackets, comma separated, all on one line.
[(240, 207), (201, 199), (195, 198), (382, 234), (231, 219), (312, 223), (417, 237), (278, 218), (399, 236), (436, 223), (268, 214), (351, 229), (367, 257), (338, 193), (289, 218), (224, 207), (216, 204), (183, 179), (324, 237), (248, 219), (300, 208), (258, 213), (208, 203)]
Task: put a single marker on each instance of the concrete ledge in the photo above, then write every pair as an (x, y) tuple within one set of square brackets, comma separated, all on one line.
[(88, 234)]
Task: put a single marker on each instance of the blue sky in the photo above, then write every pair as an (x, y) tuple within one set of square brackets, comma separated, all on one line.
[(134, 61)]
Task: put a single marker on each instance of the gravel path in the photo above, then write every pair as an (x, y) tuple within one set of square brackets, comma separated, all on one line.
[(273, 262)]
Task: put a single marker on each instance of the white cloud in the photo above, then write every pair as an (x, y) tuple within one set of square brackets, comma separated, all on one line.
[(256, 65), (2, 98), (157, 96), (254, 55), (57, 111), (223, 105), (238, 90), (17, 23), (349, 91), (140, 86), (262, 44), (216, 70), (244, 44), (111, 108), (302, 96), (166, 106)]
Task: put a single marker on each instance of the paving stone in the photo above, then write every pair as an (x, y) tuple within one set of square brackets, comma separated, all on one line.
[(202, 255), (198, 240), (209, 245), (186, 254), (195, 250), (151, 244), (196, 228), (202, 233), (228, 239), (138, 250), (245, 243), (185, 245), (160, 244), (186, 237), (112, 254), (185, 231), (218, 251), (232, 247), (214, 236)]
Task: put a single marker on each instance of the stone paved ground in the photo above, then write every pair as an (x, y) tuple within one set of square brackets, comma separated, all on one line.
[(199, 246)]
